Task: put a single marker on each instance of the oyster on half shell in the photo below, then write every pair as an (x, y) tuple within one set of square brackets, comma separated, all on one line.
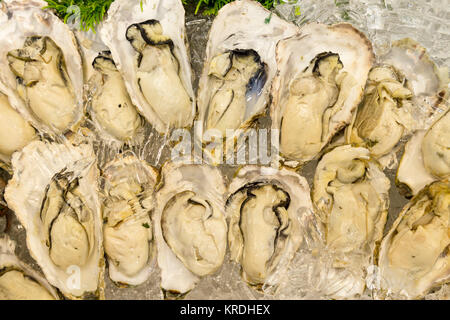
[(148, 46), (18, 281), (40, 67), (266, 207), (321, 76), (426, 157), (414, 256), (384, 116), (240, 64), (128, 186), (190, 226), (351, 194), (54, 194)]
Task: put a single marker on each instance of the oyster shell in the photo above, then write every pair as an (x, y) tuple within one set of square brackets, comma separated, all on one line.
[(384, 117), (111, 109), (426, 157), (15, 131), (266, 207), (128, 185), (351, 194), (321, 76), (18, 281), (148, 47), (414, 256), (54, 194), (190, 226), (40, 67), (239, 67)]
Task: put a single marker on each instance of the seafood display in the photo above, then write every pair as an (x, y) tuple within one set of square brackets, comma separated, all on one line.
[(97, 201)]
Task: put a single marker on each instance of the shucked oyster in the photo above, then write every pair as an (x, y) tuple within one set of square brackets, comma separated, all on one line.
[(383, 117), (238, 71), (265, 207), (111, 109), (53, 192), (19, 281), (148, 47), (128, 186), (40, 63), (351, 194), (15, 131), (427, 157), (190, 226), (414, 256), (321, 77)]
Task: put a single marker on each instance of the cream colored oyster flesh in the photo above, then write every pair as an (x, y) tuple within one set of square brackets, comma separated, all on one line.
[(15, 132), (112, 107), (128, 231), (414, 256), (382, 119), (265, 206)]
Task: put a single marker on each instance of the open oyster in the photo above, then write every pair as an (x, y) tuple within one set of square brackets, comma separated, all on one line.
[(40, 66), (18, 281), (426, 157), (321, 76), (111, 109), (239, 67), (128, 186), (427, 82), (190, 226), (351, 194), (147, 42), (384, 116), (54, 194), (15, 131), (266, 207), (414, 256)]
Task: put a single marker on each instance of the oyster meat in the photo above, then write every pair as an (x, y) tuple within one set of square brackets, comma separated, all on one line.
[(321, 76), (18, 281), (426, 157), (148, 47), (239, 67), (40, 66), (111, 109), (128, 186), (384, 117), (15, 131), (190, 226), (54, 194), (265, 207), (351, 194), (414, 256)]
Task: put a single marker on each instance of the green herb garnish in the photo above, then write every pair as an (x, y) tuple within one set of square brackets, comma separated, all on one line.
[(145, 225)]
